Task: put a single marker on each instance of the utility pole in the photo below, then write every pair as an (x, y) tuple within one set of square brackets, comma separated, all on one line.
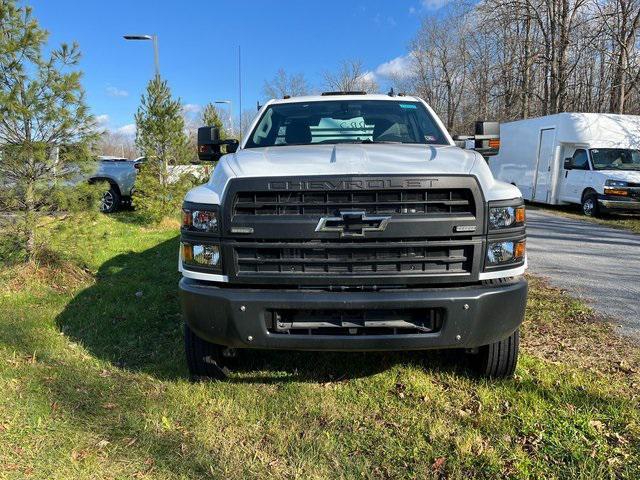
[(227, 102), (240, 89)]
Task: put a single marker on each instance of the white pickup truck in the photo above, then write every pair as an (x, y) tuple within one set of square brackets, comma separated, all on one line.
[(351, 222)]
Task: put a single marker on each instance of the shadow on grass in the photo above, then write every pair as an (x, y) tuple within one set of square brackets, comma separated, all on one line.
[(261, 366), (131, 317)]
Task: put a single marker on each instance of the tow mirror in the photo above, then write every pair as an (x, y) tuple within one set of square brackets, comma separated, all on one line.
[(209, 144), (567, 164)]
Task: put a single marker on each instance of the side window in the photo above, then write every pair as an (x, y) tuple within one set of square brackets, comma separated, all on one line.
[(263, 129), (580, 160)]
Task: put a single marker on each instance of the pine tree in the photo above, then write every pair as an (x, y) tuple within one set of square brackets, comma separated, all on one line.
[(211, 118), (46, 130), (161, 138)]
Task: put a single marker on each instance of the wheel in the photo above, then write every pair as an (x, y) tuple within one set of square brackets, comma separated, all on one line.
[(499, 359), (204, 359), (110, 200), (590, 205)]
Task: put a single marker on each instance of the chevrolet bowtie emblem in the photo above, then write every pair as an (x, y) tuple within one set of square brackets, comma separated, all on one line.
[(352, 224)]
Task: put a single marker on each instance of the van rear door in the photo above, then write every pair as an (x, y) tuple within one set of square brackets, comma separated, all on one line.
[(542, 179)]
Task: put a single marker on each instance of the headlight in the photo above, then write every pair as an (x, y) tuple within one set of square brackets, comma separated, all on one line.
[(201, 255), (200, 220), (506, 217), (500, 253), (616, 187), (616, 183)]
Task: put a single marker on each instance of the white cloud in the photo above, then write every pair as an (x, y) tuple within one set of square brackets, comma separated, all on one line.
[(412, 10), (129, 129), (434, 4), (399, 67), (368, 77), (192, 108), (116, 92), (102, 120)]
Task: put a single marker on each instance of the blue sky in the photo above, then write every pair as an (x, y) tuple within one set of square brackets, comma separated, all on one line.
[(198, 43)]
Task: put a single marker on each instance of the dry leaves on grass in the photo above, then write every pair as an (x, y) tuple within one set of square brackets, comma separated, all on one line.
[(559, 332), (62, 277)]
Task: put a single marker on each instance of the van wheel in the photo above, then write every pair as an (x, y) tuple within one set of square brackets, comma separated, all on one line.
[(110, 201), (204, 359), (590, 205), (499, 359)]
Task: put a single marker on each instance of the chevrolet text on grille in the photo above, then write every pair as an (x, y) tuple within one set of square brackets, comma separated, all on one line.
[(368, 184)]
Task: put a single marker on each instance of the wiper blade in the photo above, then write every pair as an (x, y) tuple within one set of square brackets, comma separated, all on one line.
[(380, 141)]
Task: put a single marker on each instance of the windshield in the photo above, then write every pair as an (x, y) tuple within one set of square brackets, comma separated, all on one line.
[(349, 121), (615, 159)]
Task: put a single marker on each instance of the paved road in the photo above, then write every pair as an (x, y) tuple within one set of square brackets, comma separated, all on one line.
[(598, 264)]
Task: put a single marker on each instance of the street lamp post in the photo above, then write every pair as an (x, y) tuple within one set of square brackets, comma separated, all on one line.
[(228, 102), (154, 39)]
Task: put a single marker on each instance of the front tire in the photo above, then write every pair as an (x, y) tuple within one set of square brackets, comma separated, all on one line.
[(499, 359), (590, 205), (204, 359)]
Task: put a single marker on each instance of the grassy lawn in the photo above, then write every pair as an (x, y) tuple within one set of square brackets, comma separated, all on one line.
[(629, 222), (94, 385)]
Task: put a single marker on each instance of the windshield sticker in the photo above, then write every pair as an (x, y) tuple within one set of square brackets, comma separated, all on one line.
[(430, 138), (408, 105)]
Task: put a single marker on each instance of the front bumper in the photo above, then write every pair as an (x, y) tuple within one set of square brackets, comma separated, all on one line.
[(473, 316), (610, 202)]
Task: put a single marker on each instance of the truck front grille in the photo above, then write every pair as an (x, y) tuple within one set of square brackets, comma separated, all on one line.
[(458, 201), (361, 258), (353, 230)]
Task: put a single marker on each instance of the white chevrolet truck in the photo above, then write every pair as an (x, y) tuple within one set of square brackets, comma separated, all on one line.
[(351, 222)]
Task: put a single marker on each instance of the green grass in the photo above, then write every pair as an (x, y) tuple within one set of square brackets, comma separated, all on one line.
[(94, 385), (621, 221)]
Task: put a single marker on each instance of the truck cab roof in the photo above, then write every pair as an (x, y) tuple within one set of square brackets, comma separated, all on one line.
[(339, 96)]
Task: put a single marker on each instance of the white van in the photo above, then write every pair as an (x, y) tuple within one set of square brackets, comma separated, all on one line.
[(591, 159)]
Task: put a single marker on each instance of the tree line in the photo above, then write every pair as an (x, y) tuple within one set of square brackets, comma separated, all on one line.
[(510, 59)]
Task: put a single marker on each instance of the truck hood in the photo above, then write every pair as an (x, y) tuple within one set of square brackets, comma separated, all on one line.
[(632, 176), (348, 159), (374, 159)]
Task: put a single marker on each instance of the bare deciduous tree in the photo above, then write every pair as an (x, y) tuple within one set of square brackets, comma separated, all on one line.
[(442, 64), (284, 84), (351, 77), (621, 20), (509, 59), (117, 144)]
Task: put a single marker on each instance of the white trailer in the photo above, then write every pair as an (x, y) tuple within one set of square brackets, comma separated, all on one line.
[(590, 159)]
